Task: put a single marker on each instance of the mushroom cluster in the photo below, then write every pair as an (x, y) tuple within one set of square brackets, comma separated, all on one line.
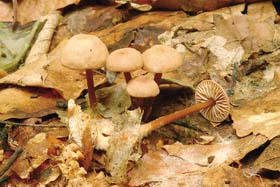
[(157, 60)]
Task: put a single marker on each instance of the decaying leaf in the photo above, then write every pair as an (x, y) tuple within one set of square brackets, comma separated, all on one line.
[(46, 72), (29, 10), (270, 157), (14, 45), (26, 102), (263, 119), (112, 100)]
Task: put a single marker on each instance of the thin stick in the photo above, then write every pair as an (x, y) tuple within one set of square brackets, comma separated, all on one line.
[(157, 123), (91, 89), (31, 125), (3, 179), (11, 160)]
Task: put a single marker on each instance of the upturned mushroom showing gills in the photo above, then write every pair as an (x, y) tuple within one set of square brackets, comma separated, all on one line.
[(161, 59), (211, 101), (142, 87), (85, 52), (124, 60)]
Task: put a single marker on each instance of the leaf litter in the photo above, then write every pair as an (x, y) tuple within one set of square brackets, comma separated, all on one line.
[(114, 149)]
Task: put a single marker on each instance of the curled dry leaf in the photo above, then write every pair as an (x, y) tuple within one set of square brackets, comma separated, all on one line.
[(42, 44), (26, 103)]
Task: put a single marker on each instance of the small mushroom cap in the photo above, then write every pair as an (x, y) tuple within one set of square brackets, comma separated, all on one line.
[(84, 51), (161, 59), (209, 89), (124, 60), (142, 87)]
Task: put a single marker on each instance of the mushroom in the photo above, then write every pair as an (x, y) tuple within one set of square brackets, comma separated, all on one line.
[(142, 87), (161, 59), (85, 52), (124, 60), (211, 100)]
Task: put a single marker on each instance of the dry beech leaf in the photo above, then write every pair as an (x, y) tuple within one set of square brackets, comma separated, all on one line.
[(270, 157), (26, 103), (46, 72), (29, 10), (263, 119), (225, 152)]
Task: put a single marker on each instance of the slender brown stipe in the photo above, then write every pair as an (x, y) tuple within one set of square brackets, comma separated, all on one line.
[(91, 89)]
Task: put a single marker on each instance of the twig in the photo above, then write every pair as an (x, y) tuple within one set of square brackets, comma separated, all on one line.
[(32, 125), (11, 160), (3, 179)]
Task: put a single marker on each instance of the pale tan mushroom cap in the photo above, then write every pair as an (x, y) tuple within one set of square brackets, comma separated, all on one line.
[(209, 89), (124, 60), (84, 51), (161, 59), (142, 87)]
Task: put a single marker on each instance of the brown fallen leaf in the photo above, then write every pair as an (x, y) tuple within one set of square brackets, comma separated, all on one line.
[(270, 157), (231, 177), (46, 72), (29, 10), (263, 119), (26, 102), (216, 154)]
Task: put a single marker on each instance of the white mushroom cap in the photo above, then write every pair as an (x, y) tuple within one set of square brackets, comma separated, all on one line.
[(84, 51), (161, 59), (142, 87), (209, 89), (124, 60)]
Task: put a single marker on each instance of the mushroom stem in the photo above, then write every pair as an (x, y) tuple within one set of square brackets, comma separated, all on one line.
[(15, 4), (157, 123), (127, 76), (91, 89), (151, 100), (157, 78)]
